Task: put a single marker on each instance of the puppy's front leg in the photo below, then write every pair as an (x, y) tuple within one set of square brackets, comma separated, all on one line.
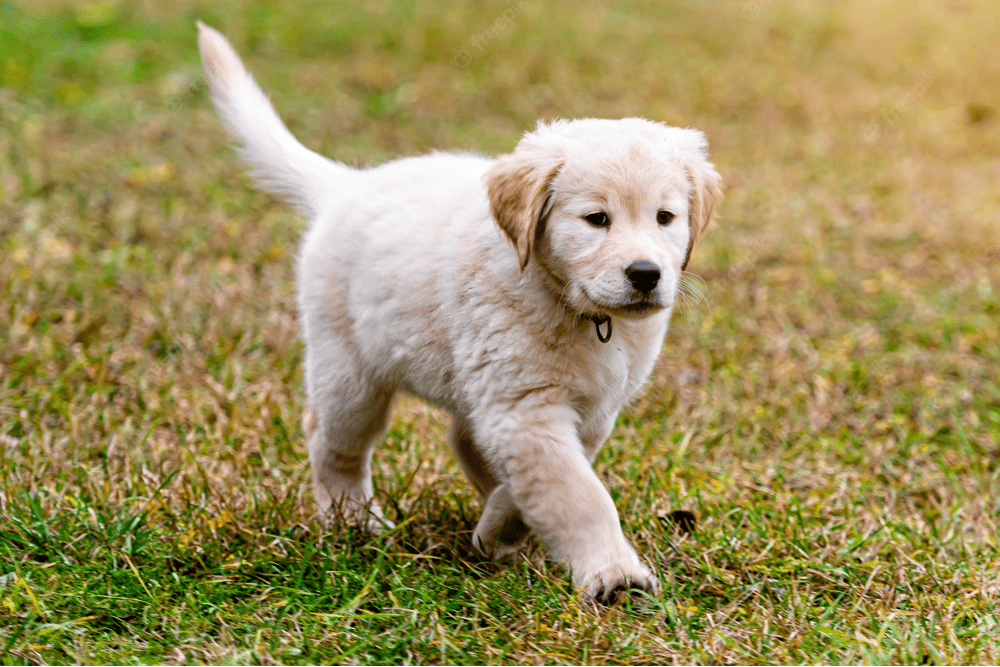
[(551, 481)]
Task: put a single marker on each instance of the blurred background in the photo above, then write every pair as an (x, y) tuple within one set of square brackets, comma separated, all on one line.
[(842, 350)]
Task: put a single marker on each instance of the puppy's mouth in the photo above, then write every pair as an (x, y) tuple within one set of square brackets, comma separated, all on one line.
[(637, 308), (642, 307)]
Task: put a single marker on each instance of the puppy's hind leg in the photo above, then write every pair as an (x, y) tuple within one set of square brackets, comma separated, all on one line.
[(347, 419), (500, 530), (469, 456)]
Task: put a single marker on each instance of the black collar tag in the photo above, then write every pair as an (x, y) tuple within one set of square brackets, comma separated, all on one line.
[(598, 321)]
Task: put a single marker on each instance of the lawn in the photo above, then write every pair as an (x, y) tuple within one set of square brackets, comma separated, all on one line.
[(827, 406)]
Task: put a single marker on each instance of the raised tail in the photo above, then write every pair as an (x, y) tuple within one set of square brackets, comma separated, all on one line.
[(280, 163)]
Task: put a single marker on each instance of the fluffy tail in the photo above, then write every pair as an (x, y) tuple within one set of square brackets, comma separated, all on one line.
[(280, 163)]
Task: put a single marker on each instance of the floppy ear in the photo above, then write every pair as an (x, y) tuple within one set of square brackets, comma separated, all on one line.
[(706, 194), (519, 186)]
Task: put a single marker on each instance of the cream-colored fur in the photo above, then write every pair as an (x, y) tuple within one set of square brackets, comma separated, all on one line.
[(477, 285)]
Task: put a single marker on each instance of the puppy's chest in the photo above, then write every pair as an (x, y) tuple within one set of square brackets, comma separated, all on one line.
[(612, 375)]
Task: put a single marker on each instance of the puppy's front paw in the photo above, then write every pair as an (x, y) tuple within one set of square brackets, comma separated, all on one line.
[(609, 582)]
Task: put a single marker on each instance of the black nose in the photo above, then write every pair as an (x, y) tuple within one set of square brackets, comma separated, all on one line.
[(643, 275)]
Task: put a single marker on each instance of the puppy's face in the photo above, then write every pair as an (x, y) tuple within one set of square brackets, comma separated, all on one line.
[(610, 209)]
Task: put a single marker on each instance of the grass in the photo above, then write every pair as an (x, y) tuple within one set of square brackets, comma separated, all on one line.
[(830, 413)]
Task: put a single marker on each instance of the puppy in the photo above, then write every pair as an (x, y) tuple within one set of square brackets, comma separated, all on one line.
[(527, 295)]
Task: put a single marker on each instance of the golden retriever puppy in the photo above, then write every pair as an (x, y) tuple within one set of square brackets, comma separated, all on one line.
[(527, 295)]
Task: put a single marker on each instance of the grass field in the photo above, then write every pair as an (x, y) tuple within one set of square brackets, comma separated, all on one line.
[(830, 411)]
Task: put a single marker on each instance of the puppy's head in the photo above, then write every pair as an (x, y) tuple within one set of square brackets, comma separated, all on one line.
[(610, 208)]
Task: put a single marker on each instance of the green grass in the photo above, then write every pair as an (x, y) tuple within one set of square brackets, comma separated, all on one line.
[(830, 412)]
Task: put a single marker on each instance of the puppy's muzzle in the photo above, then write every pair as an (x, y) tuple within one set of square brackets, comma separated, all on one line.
[(643, 275)]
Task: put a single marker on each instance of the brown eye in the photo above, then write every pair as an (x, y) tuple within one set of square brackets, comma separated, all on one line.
[(664, 217), (599, 219)]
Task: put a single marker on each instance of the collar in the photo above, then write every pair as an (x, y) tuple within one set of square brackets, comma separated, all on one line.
[(598, 323)]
